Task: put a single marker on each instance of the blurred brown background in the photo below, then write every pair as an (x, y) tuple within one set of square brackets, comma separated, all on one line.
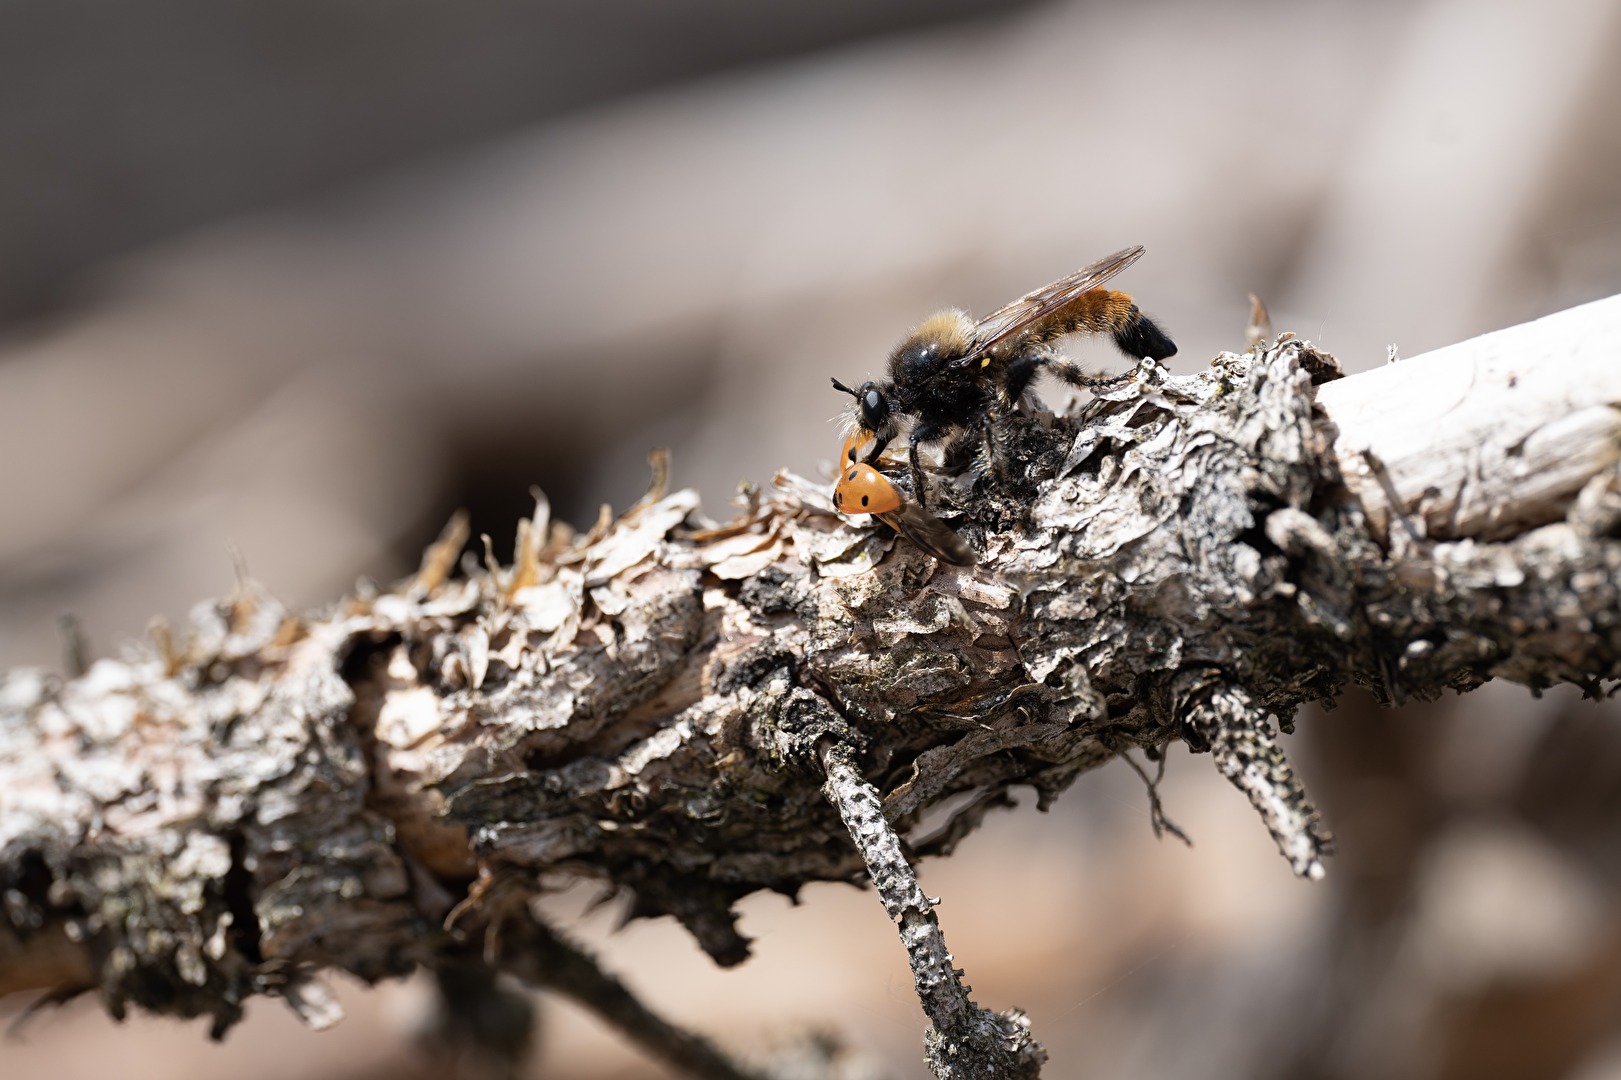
[(300, 278)]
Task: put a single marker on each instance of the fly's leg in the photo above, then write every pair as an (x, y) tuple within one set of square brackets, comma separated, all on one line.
[(922, 433), (917, 475), (1021, 372), (987, 431), (1076, 375)]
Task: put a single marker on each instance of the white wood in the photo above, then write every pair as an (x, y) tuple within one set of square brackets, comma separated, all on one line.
[(1489, 435)]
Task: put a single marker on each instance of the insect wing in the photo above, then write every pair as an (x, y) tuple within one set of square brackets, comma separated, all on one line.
[(930, 533), (1032, 308)]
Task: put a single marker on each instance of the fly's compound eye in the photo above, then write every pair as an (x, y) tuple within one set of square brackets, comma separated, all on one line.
[(862, 489), (872, 407)]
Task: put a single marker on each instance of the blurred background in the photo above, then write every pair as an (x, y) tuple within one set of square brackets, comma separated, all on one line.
[(290, 281)]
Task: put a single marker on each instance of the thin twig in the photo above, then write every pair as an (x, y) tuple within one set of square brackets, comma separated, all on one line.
[(540, 956), (1225, 720), (963, 1039)]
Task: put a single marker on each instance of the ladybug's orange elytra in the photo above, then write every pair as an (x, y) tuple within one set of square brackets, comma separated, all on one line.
[(862, 489)]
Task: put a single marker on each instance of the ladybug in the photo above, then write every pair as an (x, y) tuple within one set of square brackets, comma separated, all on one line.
[(862, 489)]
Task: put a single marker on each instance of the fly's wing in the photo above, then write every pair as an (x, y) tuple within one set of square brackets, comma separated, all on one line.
[(1032, 308), (930, 533)]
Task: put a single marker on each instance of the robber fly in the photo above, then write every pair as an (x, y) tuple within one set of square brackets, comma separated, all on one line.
[(952, 375)]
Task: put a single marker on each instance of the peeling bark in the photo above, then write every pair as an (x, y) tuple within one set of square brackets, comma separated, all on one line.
[(658, 704)]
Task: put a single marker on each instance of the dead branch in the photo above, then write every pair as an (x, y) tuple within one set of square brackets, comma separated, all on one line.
[(692, 711), (963, 1040)]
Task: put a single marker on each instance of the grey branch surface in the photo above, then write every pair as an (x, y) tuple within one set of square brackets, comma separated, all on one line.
[(691, 711)]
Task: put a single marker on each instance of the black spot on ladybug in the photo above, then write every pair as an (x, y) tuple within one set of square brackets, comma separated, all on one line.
[(852, 475), (863, 500)]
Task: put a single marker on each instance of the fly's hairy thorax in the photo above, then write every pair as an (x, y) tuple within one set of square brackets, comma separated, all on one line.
[(927, 383)]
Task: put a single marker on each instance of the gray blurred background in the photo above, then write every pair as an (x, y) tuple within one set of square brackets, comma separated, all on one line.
[(290, 281)]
